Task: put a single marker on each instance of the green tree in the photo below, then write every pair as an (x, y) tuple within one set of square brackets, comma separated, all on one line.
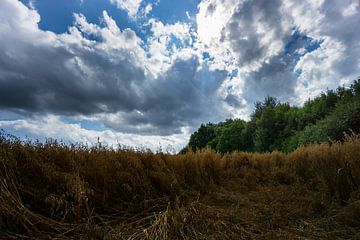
[(202, 136), (230, 136), (278, 126)]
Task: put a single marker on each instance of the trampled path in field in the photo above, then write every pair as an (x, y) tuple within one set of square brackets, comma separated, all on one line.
[(233, 211)]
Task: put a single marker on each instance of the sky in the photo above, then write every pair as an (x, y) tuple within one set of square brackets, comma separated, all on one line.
[(147, 73)]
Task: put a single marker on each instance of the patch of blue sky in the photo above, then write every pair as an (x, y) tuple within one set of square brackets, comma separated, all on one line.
[(10, 116), (313, 45), (20, 134), (306, 84), (57, 16), (172, 44), (229, 89), (85, 124), (175, 42), (93, 11), (206, 55), (233, 74), (298, 42), (170, 11), (298, 72), (298, 46)]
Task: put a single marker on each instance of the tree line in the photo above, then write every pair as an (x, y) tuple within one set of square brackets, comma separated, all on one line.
[(278, 126)]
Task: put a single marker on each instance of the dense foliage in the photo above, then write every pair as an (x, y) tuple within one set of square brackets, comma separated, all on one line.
[(279, 126)]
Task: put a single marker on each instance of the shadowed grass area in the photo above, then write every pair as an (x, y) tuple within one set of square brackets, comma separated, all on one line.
[(55, 191)]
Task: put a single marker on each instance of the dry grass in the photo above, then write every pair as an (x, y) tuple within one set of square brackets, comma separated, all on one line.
[(55, 191)]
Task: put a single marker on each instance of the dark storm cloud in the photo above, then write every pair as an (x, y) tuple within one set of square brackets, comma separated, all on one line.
[(41, 81), (275, 78), (183, 96)]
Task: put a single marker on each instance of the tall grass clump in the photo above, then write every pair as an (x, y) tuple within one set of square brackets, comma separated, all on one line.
[(329, 167)]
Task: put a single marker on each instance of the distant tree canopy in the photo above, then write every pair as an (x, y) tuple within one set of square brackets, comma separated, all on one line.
[(279, 126)]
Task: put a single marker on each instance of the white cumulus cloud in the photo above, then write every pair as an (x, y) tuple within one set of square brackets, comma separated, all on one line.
[(131, 6)]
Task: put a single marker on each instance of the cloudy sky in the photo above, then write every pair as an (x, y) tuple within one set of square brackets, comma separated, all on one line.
[(148, 73)]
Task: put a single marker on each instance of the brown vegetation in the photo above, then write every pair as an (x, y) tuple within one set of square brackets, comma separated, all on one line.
[(55, 191)]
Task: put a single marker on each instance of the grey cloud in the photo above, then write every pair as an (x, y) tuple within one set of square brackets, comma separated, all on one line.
[(211, 8), (275, 78), (93, 79), (343, 29), (233, 101), (184, 96), (242, 30), (41, 81), (274, 72)]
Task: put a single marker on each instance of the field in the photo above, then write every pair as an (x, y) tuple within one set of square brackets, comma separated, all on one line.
[(56, 191)]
